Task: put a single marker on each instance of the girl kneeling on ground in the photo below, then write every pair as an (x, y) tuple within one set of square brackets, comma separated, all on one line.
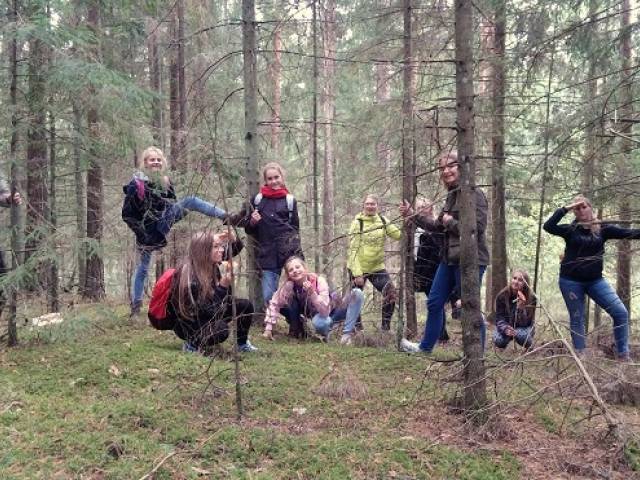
[(201, 296), (307, 294), (515, 312)]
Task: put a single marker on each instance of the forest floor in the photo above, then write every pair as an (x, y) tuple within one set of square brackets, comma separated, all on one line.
[(99, 398)]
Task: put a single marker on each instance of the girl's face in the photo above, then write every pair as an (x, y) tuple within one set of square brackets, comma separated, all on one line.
[(449, 171), (370, 206), (153, 163), (583, 212), (296, 271), (517, 282), (273, 178), (217, 252)]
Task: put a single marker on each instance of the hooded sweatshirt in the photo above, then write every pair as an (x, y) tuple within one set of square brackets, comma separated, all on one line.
[(366, 248)]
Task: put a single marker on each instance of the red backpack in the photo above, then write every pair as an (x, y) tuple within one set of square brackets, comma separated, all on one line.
[(158, 315)]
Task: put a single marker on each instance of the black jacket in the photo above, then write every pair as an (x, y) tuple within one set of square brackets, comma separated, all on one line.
[(508, 315), (141, 214), (584, 250), (207, 325), (277, 233), (427, 260), (451, 247)]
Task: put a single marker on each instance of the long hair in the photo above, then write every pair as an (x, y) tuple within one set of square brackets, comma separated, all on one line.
[(594, 226), (149, 152), (197, 269), (526, 289), (273, 166)]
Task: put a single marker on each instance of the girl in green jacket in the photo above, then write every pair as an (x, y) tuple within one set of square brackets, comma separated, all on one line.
[(367, 235)]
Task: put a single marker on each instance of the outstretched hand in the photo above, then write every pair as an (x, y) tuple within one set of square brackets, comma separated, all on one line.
[(405, 209)]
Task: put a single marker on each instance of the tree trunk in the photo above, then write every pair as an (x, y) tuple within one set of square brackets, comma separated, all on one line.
[(623, 285), (383, 96), (16, 217), (81, 198), (252, 176), (94, 288), (154, 81), (315, 168), (408, 172), (275, 75), (37, 168), (53, 300), (327, 101), (499, 259), (475, 396)]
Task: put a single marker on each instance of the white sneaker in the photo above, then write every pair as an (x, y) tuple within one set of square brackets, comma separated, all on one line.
[(409, 347), (247, 347), (346, 339)]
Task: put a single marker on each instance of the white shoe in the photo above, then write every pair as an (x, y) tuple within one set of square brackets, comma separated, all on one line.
[(409, 347), (346, 339)]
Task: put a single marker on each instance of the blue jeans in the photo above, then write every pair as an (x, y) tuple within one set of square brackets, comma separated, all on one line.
[(270, 279), (446, 280), (179, 210), (350, 314), (139, 276), (352, 311), (524, 337), (601, 292)]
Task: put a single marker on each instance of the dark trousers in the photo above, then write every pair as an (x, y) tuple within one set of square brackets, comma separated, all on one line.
[(381, 281), (216, 330)]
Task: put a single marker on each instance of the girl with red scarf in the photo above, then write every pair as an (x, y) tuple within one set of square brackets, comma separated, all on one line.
[(275, 226)]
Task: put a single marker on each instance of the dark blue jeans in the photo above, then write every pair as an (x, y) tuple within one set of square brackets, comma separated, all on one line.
[(447, 279), (601, 292)]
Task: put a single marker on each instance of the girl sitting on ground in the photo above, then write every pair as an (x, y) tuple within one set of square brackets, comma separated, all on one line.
[(515, 312), (201, 297), (306, 295)]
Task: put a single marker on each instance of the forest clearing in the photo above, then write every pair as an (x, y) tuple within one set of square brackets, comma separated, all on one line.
[(322, 239), (109, 400)]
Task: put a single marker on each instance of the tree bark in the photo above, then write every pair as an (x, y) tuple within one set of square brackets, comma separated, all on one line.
[(37, 168), (154, 81), (94, 288), (16, 217), (275, 75), (252, 176), (475, 397), (408, 170), (327, 101), (314, 120), (623, 277), (81, 198), (53, 299), (499, 260)]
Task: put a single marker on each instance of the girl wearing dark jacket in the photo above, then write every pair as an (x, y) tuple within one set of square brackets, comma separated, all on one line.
[(275, 226), (581, 271), (447, 277), (150, 209), (201, 299), (515, 312)]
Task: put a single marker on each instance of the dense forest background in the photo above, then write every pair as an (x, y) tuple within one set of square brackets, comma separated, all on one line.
[(351, 97)]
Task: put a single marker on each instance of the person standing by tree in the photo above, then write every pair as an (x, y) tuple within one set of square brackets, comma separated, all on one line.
[(515, 312), (275, 226), (150, 209), (447, 278), (365, 260), (429, 251), (6, 200), (581, 271)]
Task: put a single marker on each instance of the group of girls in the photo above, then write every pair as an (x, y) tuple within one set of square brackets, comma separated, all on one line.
[(201, 292)]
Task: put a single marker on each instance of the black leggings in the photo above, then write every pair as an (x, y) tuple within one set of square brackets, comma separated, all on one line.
[(216, 330)]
